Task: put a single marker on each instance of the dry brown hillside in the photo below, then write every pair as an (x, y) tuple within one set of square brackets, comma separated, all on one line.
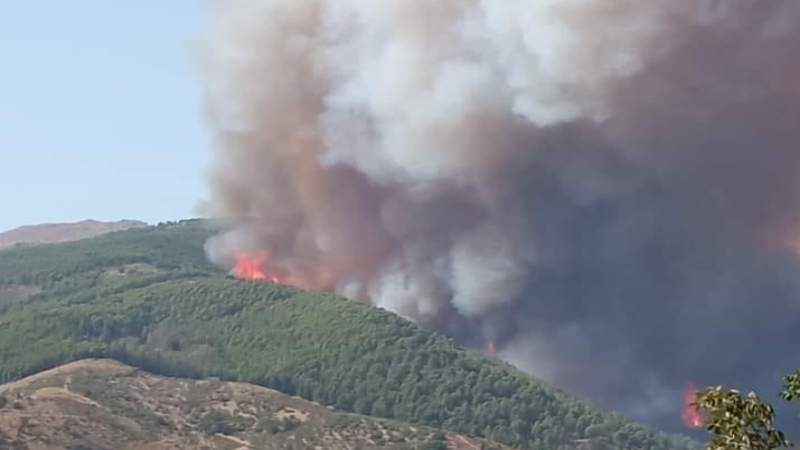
[(63, 232), (105, 405)]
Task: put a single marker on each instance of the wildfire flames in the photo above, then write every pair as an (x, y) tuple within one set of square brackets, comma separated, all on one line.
[(491, 350), (691, 413), (253, 267)]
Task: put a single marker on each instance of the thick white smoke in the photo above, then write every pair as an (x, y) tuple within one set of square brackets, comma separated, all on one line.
[(559, 175)]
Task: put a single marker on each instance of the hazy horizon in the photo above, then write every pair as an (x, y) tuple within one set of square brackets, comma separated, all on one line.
[(118, 133), (89, 219)]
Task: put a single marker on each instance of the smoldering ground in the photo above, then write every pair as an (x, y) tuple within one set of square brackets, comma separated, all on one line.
[(608, 189)]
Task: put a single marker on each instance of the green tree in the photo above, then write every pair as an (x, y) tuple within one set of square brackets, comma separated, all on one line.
[(791, 389), (739, 422)]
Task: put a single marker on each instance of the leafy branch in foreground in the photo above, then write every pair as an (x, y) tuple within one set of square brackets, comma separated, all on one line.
[(791, 390), (740, 422)]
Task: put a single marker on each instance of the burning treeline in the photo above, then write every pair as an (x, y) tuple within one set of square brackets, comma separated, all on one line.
[(607, 190)]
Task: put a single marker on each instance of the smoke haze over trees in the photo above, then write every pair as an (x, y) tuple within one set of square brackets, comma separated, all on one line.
[(607, 189)]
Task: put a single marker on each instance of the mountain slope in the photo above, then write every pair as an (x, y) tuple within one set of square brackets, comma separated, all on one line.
[(148, 298), (63, 232), (167, 247), (102, 404)]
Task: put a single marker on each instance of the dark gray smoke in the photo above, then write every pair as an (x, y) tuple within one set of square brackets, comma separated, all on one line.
[(608, 189)]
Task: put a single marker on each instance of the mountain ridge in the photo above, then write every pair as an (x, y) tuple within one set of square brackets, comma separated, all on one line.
[(51, 233)]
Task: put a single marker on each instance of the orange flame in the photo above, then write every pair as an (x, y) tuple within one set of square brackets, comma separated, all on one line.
[(691, 412), (491, 349), (253, 267)]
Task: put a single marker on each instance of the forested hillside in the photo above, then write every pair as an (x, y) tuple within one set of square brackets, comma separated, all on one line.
[(168, 247), (148, 298)]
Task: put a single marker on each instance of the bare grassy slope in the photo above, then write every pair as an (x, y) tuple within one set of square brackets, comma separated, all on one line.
[(15, 294), (103, 404), (63, 232)]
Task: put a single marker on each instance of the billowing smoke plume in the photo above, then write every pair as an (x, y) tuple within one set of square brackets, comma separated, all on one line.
[(607, 189)]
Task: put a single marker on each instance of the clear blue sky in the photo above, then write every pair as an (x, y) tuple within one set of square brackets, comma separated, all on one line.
[(100, 110)]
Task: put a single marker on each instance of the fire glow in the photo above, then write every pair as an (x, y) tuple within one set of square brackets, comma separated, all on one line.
[(691, 412), (253, 267)]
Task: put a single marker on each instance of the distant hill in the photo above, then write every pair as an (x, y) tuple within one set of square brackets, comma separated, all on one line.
[(63, 232), (102, 404), (149, 298)]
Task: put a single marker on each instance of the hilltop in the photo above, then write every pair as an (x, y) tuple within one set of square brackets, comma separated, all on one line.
[(103, 404), (63, 232), (147, 297)]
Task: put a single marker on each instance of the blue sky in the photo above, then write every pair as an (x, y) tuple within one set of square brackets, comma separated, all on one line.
[(101, 110)]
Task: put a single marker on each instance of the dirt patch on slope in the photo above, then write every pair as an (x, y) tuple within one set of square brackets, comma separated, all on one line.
[(11, 294)]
